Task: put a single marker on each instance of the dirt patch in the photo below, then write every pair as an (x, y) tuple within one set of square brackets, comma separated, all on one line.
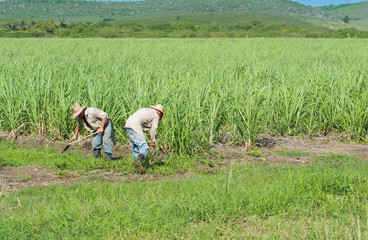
[(322, 145), (267, 149), (14, 178)]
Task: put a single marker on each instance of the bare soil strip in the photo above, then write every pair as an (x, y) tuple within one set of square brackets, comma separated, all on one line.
[(15, 178)]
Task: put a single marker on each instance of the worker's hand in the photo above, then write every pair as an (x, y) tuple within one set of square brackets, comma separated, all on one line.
[(152, 145), (74, 138), (100, 130)]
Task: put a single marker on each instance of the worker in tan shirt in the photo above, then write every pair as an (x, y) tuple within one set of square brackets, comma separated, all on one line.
[(138, 124), (97, 121)]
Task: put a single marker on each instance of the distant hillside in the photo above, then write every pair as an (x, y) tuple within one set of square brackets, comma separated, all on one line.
[(82, 11), (175, 19), (193, 11), (226, 19), (357, 11)]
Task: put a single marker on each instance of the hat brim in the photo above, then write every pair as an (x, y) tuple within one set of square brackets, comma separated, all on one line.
[(163, 114), (76, 114)]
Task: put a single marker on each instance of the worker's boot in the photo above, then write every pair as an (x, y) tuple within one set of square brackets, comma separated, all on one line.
[(108, 156), (97, 153), (141, 157)]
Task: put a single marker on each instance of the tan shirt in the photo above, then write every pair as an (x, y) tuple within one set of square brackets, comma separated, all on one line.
[(142, 120), (94, 117)]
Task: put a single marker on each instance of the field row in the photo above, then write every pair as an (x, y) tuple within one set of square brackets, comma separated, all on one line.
[(213, 90)]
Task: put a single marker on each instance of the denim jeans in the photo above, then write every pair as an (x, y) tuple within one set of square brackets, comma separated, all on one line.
[(105, 139), (138, 142)]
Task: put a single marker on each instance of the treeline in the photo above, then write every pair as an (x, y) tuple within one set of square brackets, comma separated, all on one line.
[(112, 29)]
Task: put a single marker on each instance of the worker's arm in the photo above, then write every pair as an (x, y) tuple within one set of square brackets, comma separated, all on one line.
[(77, 130), (153, 133), (103, 121)]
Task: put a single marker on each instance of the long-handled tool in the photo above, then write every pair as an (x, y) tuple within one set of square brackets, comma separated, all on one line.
[(69, 144)]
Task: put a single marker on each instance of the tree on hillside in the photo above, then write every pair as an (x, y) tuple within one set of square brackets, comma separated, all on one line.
[(346, 20)]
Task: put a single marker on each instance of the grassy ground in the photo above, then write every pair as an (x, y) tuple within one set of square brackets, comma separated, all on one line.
[(12, 154), (324, 200)]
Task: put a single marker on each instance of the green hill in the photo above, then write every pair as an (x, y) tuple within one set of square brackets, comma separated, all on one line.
[(209, 12), (82, 11), (357, 14), (225, 19), (358, 11)]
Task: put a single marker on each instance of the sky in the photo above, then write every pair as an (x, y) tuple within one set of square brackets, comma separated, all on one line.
[(326, 2)]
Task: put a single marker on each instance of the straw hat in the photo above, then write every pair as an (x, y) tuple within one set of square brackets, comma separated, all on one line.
[(77, 109), (160, 108)]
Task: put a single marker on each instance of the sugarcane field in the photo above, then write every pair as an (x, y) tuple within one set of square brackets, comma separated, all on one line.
[(216, 138)]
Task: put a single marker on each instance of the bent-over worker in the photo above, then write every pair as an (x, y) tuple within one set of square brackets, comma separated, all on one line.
[(97, 121), (138, 124)]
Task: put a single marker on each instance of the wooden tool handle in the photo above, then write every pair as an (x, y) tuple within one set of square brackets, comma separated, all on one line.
[(90, 135)]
